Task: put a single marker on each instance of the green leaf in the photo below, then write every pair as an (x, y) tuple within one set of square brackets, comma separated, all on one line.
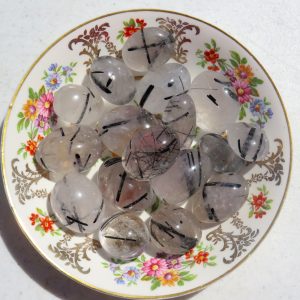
[(146, 278), (34, 133), (269, 201), (207, 45), (180, 282), (143, 258), (189, 277), (20, 115), (31, 94), (250, 215), (40, 212), (255, 81), (125, 23), (234, 63), (242, 114), (42, 90), (211, 264), (20, 150), (105, 264), (131, 22), (266, 207), (183, 273), (27, 122), (24, 155), (218, 49), (244, 61), (20, 125), (212, 257), (235, 56), (70, 79), (38, 227), (254, 92), (213, 43), (155, 284)]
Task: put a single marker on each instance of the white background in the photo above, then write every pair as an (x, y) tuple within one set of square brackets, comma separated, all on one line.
[(270, 29)]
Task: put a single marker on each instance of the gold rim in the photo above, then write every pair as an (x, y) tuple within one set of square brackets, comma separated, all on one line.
[(17, 217)]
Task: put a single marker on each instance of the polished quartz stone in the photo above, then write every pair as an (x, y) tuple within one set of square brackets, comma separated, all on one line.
[(174, 230), (124, 236), (151, 152), (114, 80), (69, 148), (77, 104), (184, 178), (216, 101), (148, 49), (120, 189), (118, 126), (223, 195), (77, 203), (222, 157), (248, 141), (180, 115)]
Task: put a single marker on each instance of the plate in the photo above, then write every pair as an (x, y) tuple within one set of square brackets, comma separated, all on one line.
[(200, 46)]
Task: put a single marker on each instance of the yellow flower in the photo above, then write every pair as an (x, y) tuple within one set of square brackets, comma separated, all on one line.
[(244, 72), (169, 278), (30, 110)]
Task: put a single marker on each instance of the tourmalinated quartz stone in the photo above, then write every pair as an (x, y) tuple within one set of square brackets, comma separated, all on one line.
[(216, 101), (248, 141), (151, 152), (120, 189), (189, 172), (174, 230), (173, 78), (180, 115), (124, 236), (118, 126), (223, 195), (90, 84), (77, 104), (148, 48), (69, 148), (77, 203), (113, 79), (222, 157)]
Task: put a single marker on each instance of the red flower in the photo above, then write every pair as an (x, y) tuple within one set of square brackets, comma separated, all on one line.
[(259, 214), (141, 23), (211, 56), (33, 218), (213, 68), (40, 137), (130, 30), (201, 257), (189, 253), (258, 201), (31, 147), (47, 223)]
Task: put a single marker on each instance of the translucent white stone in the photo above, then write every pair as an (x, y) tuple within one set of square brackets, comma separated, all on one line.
[(77, 104), (223, 195), (148, 49), (248, 141), (222, 157), (120, 189), (180, 115), (216, 101), (124, 236), (114, 80), (69, 148), (118, 126), (77, 203), (184, 178), (150, 152), (174, 230)]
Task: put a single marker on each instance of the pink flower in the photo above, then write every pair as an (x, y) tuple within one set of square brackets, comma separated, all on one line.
[(230, 74), (154, 267), (42, 123), (45, 104), (243, 91)]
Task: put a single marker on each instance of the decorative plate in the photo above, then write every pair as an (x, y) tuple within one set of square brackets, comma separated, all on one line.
[(199, 46)]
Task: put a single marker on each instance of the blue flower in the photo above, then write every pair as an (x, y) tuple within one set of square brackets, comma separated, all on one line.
[(53, 81), (269, 113), (52, 67), (67, 71), (131, 273), (257, 107), (119, 280)]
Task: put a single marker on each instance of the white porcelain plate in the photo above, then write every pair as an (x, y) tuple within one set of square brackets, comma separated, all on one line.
[(199, 46)]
